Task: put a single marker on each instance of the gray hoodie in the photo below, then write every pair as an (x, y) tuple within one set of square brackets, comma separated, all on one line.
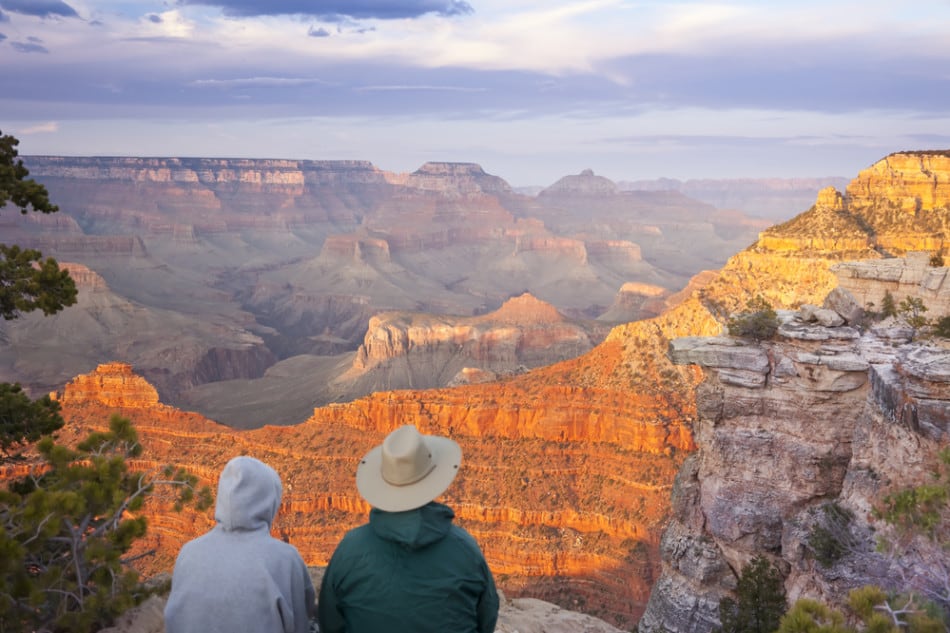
[(237, 577)]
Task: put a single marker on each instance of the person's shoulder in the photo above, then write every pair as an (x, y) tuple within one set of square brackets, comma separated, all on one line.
[(357, 536), (464, 541)]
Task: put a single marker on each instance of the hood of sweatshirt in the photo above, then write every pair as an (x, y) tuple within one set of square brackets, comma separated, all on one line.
[(249, 493), (413, 529)]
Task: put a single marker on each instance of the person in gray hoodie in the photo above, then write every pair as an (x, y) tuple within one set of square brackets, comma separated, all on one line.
[(237, 577)]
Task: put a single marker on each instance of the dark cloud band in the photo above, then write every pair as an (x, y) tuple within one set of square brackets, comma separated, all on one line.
[(358, 9), (39, 8)]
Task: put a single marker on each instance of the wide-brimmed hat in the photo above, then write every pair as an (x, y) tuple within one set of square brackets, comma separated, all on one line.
[(408, 470)]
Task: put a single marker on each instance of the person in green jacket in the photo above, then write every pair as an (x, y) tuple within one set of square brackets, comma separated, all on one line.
[(410, 569)]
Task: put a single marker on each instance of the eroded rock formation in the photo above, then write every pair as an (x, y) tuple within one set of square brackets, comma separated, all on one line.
[(820, 415), (423, 351)]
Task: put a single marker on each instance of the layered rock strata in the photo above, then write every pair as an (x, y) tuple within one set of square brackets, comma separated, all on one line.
[(820, 415), (899, 204), (564, 485), (422, 351)]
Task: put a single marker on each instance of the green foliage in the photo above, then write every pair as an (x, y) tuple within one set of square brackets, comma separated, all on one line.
[(15, 187), (831, 538), (942, 327), (922, 509), (888, 305), (23, 420), (66, 530), (759, 322), (809, 616), (760, 600), (871, 610), (28, 283), (912, 311)]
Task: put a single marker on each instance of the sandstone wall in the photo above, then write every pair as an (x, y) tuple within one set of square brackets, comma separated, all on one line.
[(819, 415)]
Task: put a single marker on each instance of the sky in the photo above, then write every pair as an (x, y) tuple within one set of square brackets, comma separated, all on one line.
[(532, 90)]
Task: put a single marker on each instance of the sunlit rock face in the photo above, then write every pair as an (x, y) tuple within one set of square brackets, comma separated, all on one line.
[(899, 204), (403, 350), (820, 414)]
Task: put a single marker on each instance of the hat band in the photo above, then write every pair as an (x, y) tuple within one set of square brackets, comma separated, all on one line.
[(411, 481)]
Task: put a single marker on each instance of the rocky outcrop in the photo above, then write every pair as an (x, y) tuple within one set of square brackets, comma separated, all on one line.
[(584, 183), (111, 385), (819, 415), (911, 276), (456, 180), (424, 351), (899, 204), (636, 301), (83, 277), (914, 182)]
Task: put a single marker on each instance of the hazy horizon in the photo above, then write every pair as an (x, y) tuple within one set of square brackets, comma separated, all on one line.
[(531, 90)]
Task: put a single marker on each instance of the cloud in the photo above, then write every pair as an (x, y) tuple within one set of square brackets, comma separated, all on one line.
[(257, 81), (321, 32), (39, 8), (335, 9), (41, 128), (2, 37), (397, 87), (154, 18), (31, 46), (4, 17)]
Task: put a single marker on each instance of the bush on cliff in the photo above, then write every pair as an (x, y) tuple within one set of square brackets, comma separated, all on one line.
[(942, 327), (760, 600), (67, 530), (869, 610), (759, 322)]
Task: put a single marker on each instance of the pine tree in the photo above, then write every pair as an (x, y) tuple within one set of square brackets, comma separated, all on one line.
[(23, 420), (760, 600), (26, 281), (67, 528)]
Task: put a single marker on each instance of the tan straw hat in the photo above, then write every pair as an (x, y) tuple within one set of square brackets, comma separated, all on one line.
[(408, 470)]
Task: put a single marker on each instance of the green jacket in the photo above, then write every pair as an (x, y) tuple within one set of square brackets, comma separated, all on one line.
[(408, 572)]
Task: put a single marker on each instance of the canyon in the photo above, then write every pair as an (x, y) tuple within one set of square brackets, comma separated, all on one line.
[(570, 475), (242, 272)]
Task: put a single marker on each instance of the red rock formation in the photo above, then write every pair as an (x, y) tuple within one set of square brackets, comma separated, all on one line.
[(84, 277), (523, 332)]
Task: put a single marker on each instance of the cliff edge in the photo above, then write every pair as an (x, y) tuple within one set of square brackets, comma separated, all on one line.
[(818, 415)]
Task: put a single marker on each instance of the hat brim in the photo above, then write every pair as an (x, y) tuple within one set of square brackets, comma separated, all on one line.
[(379, 493)]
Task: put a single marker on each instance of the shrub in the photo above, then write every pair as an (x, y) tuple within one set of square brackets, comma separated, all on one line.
[(759, 322), (831, 537), (912, 311), (888, 305), (942, 327), (760, 600), (936, 260)]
